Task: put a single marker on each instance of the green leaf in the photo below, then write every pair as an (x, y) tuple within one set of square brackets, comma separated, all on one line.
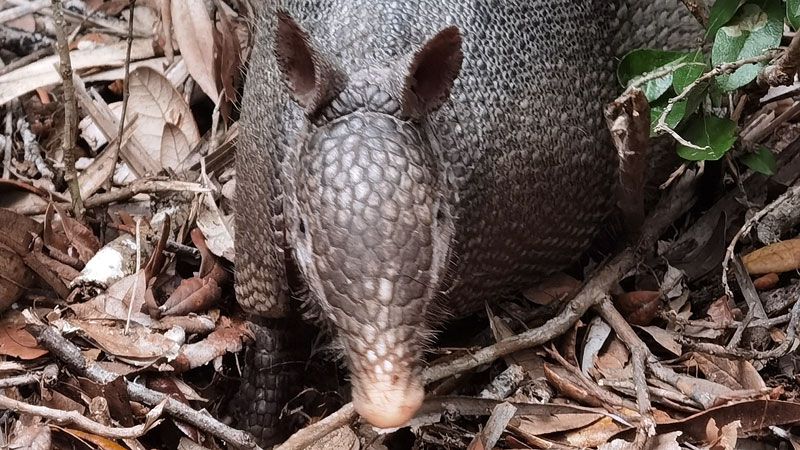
[(713, 132), (640, 62), (721, 12), (674, 117), (755, 28), (693, 67), (793, 13), (761, 161)]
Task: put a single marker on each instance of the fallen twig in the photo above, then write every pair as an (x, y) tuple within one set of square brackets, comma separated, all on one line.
[(71, 355), (77, 419), (70, 112), (153, 185)]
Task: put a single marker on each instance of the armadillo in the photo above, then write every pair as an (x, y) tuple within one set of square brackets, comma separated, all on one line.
[(401, 163)]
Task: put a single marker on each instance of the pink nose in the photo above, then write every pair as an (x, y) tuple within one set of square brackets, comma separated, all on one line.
[(385, 404)]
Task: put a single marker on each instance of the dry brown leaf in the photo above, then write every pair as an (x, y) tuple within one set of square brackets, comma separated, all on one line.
[(564, 381), (115, 393), (778, 257), (559, 286), (615, 357), (722, 438), (531, 363), (100, 441), (194, 33), (229, 337), (593, 435), (80, 237), (53, 236), (18, 230), (766, 282), (15, 340), (728, 436), (99, 171), (704, 391), (342, 438), (15, 277), (64, 272), (24, 23), (47, 275), (638, 307), (664, 338), (597, 332), (556, 423), (113, 304), (193, 294), (228, 48), (157, 103), (217, 228), (140, 346), (169, 386), (734, 374), (667, 441), (720, 312), (57, 400)]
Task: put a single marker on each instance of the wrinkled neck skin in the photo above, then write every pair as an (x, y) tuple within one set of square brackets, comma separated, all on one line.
[(371, 233)]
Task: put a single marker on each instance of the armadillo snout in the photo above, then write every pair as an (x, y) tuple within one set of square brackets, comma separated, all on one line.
[(386, 402)]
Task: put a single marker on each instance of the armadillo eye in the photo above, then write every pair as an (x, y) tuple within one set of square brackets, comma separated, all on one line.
[(439, 214), (302, 227)]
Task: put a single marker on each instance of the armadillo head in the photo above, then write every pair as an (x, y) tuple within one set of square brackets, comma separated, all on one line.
[(372, 229)]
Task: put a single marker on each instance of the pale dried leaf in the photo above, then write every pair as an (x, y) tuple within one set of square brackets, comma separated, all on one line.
[(157, 104), (98, 172), (217, 229), (194, 33), (176, 152), (30, 437), (596, 335), (44, 71), (113, 304)]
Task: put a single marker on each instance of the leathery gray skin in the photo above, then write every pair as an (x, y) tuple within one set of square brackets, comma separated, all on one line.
[(413, 160)]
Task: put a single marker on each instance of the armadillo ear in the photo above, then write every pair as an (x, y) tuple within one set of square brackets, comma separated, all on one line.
[(431, 73), (311, 77)]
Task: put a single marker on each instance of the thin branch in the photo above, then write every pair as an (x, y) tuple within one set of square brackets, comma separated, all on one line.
[(19, 380), (126, 90), (720, 69), (71, 355), (77, 419), (781, 350), (70, 112), (746, 229), (152, 185)]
